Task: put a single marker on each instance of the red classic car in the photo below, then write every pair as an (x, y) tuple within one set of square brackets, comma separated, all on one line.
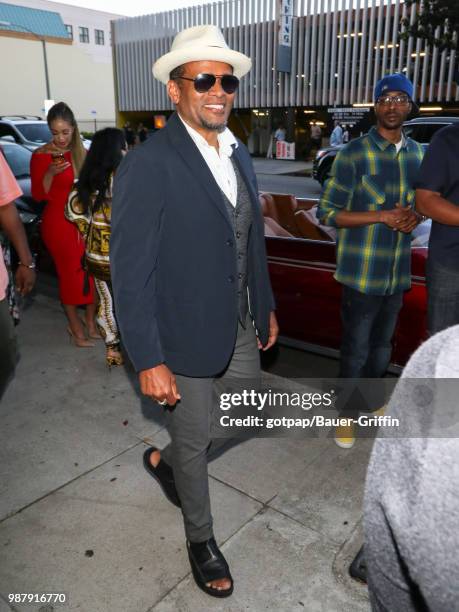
[(301, 258)]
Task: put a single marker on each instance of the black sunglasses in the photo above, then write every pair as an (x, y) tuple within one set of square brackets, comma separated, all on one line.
[(203, 82), (397, 100)]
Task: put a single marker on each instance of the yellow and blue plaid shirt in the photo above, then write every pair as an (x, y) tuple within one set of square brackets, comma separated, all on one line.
[(369, 175)]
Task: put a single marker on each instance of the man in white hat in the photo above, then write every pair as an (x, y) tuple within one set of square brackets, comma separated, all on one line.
[(187, 253)]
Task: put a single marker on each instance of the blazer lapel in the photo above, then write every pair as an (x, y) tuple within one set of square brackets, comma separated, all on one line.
[(195, 161)]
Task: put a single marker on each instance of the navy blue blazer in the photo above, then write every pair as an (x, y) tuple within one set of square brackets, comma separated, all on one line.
[(173, 257)]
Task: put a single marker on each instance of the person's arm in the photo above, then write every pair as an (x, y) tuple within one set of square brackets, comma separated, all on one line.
[(53, 169), (431, 204), (137, 210), (11, 223), (338, 190), (403, 219), (338, 193), (42, 173), (433, 179), (135, 235), (73, 212)]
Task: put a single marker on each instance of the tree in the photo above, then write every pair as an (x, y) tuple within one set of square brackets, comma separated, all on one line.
[(433, 14)]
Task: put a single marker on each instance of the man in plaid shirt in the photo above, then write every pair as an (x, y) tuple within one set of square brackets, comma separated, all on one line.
[(369, 198)]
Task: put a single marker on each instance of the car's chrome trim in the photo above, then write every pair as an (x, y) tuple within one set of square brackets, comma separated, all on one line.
[(301, 263), (325, 351), (317, 265)]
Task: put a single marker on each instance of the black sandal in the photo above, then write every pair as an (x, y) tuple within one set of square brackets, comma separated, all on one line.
[(163, 475), (207, 564)]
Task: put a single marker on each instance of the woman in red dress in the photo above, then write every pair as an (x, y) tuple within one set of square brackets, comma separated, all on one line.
[(53, 168)]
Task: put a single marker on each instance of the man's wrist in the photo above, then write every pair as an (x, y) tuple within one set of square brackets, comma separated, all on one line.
[(421, 218), (31, 265)]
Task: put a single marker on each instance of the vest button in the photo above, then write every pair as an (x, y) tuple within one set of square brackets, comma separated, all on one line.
[(238, 234), (239, 276)]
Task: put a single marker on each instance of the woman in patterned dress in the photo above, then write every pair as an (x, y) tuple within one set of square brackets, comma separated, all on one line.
[(89, 207)]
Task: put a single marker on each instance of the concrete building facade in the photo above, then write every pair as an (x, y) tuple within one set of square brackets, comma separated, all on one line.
[(78, 54), (336, 55)]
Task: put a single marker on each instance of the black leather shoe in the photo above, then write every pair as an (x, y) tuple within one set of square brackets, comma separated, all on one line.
[(164, 475), (358, 567), (207, 564)]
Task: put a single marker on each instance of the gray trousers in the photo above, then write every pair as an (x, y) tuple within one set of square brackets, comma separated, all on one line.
[(190, 423), (8, 345)]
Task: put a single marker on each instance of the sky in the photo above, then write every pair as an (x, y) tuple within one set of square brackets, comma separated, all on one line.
[(134, 7)]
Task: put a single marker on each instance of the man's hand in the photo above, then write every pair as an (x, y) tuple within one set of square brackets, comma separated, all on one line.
[(408, 225), (25, 280), (159, 383), (273, 332), (399, 218)]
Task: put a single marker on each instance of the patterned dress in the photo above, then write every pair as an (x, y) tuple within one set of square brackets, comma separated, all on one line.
[(94, 227)]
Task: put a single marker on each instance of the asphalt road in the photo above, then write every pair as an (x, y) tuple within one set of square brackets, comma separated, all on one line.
[(299, 186)]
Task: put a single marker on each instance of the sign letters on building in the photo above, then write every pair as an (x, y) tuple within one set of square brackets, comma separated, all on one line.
[(285, 31)]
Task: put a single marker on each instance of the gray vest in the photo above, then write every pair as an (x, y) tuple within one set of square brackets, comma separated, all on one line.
[(241, 219)]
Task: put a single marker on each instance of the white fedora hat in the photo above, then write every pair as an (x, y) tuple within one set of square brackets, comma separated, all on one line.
[(200, 43)]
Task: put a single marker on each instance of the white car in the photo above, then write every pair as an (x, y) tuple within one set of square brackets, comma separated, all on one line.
[(29, 131)]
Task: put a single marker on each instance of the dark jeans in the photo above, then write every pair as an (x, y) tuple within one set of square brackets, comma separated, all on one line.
[(368, 326), (442, 296), (8, 346)]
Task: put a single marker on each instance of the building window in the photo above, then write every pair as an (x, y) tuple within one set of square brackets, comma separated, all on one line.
[(99, 37), (69, 29), (84, 35)]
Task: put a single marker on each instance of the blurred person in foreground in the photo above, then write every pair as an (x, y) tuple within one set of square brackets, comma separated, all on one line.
[(187, 249), (369, 198), (411, 505), (11, 224), (53, 169), (90, 207)]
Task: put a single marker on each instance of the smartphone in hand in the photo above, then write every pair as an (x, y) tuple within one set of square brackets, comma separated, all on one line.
[(58, 158)]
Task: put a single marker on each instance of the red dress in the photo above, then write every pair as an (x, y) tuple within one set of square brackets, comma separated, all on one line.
[(60, 236)]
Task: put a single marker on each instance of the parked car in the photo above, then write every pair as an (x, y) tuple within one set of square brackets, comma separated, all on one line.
[(420, 129), (29, 131), (18, 159), (302, 261)]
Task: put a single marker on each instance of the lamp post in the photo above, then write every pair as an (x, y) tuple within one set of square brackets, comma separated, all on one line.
[(43, 42)]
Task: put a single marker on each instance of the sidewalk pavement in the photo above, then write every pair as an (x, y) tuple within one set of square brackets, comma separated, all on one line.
[(280, 166), (79, 515)]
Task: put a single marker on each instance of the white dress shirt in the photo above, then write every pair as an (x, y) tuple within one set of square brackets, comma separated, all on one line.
[(219, 162)]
